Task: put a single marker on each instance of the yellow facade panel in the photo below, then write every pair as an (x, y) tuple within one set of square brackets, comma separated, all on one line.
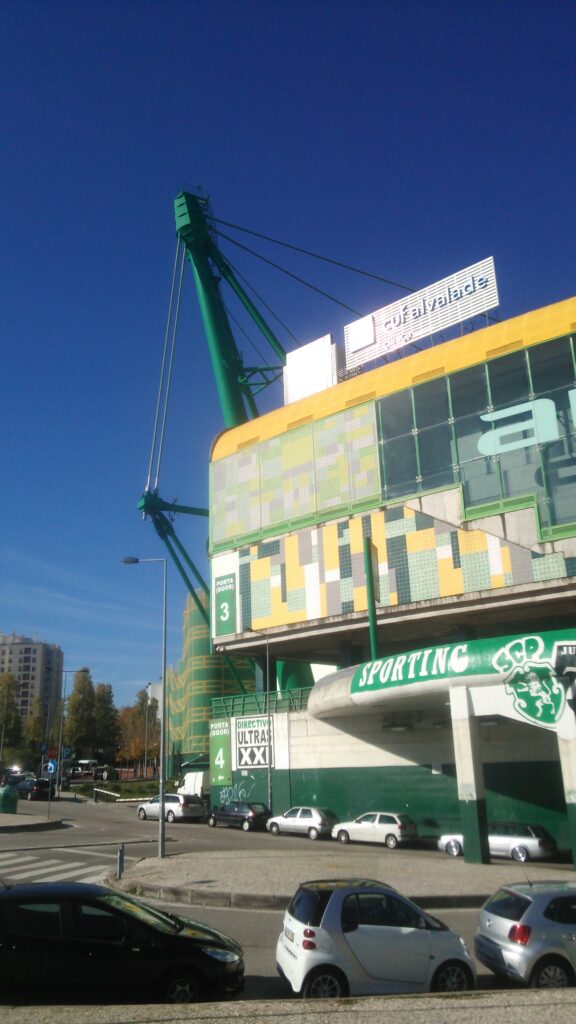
[(360, 598), (472, 542), (294, 571), (450, 579), (260, 570), (522, 331), (497, 581), (506, 560), (329, 537), (420, 540), (356, 536)]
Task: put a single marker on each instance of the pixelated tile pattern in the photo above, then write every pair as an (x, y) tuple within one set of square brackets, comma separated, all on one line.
[(319, 572)]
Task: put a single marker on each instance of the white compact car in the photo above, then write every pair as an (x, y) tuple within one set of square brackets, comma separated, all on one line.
[(377, 827), (359, 937), (303, 821)]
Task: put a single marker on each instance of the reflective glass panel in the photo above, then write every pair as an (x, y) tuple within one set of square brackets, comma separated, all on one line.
[(559, 471), (509, 379), (481, 482), (468, 431), (521, 472), (395, 413), (551, 365), (431, 403), (436, 455), (469, 391), (400, 466)]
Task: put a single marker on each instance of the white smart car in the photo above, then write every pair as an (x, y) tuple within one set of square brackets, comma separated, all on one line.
[(359, 937)]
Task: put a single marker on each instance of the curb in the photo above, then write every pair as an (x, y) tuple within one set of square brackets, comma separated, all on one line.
[(263, 901), (37, 826)]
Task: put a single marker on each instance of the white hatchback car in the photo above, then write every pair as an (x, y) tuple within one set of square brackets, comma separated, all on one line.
[(359, 937), (303, 821), (377, 827)]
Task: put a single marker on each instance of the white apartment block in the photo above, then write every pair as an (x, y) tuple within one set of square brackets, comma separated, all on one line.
[(36, 666)]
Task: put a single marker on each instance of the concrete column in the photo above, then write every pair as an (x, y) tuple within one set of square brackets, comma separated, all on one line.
[(567, 752), (469, 775)]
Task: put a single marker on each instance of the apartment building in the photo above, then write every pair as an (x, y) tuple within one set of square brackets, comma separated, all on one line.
[(38, 668)]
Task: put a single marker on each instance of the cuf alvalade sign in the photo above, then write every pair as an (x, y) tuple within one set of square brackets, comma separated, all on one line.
[(450, 301), (537, 671)]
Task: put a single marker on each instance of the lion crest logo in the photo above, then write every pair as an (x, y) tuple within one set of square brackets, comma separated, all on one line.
[(530, 680)]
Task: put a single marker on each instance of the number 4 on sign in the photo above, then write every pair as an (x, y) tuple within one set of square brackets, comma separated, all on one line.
[(220, 760)]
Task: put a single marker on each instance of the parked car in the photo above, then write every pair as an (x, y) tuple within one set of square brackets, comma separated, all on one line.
[(360, 937), (108, 940), (377, 827), (176, 808), (527, 932), (240, 814), (507, 839), (105, 772), (13, 778), (303, 821), (36, 789)]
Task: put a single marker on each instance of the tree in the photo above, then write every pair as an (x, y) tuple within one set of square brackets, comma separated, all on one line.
[(106, 726), (139, 729), (80, 722), (35, 728), (10, 721)]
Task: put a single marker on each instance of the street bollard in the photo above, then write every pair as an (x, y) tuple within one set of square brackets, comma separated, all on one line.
[(120, 861)]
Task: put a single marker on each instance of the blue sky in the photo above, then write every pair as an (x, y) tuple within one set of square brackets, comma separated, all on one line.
[(409, 139)]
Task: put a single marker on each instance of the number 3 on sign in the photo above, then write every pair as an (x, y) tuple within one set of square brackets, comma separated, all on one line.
[(224, 611)]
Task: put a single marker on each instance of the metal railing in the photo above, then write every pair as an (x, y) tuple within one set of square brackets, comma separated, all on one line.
[(243, 704)]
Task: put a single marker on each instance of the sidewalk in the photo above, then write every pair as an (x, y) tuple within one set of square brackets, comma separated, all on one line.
[(269, 878)]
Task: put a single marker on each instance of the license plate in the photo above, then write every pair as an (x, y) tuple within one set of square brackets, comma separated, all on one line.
[(289, 934)]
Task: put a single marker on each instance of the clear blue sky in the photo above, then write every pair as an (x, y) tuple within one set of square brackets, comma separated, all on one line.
[(411, 139)]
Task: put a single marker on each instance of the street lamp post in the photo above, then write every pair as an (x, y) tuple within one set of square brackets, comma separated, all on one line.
[(162, 766)]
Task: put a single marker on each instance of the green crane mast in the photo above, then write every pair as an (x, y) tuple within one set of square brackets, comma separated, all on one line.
[(236, 383)]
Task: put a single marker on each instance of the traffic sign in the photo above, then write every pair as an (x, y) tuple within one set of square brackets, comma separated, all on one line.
[(51, 766)]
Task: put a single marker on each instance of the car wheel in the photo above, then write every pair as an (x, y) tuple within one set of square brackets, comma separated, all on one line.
[(324, 983), (312, 833), (520, 853), (343, 836), (245, 826), (212, 821), (274, 828), (551, 972), (171, 817), (142, 814), (453, 976), (391, 841), (182, 987), (453, 848)]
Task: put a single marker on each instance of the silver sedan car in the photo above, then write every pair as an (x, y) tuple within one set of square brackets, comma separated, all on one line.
[(507, 839), (303, 821), (176, 808)]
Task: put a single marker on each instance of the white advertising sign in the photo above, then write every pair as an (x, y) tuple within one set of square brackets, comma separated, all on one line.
[(441, 305)]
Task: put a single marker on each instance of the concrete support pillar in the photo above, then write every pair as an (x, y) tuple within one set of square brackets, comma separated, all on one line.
[(567, 752), (469, 776)]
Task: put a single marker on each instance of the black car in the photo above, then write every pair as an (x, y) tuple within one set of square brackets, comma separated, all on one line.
[(36, 789), (239, 814), (84, 938)]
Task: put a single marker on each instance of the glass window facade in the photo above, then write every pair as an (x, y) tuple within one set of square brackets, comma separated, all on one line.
[(504, 430)]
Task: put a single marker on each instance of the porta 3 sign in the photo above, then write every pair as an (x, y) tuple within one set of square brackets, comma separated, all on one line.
[(254, 742), (441, 305)]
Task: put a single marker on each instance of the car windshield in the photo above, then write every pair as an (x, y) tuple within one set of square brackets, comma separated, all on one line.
[(141, 912), (259, 808)]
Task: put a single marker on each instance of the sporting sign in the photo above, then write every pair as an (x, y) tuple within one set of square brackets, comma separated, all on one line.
[(254, 742), (441, 305)]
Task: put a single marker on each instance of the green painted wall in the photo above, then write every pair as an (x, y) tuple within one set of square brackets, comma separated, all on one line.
[(430, 798)]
